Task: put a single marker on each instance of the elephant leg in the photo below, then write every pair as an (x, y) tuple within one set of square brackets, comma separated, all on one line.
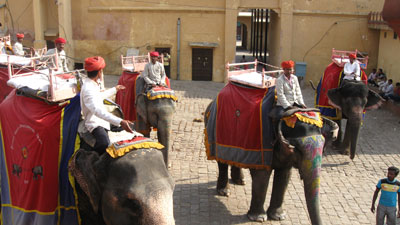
[(142, 127), (237, 175), (281, 181), (222, 183), (259, 188)]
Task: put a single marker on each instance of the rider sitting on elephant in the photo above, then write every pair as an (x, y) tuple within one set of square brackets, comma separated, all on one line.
[(288, 90), (153, 73), (351, 70), (96, 118)]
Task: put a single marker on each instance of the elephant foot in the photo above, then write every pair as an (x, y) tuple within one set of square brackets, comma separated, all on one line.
[(336, 145), (278, 214), (345, 152), (257, 217), (223, 192), (239, 181)]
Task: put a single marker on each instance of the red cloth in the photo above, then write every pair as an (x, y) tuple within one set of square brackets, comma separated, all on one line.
[(126, 98), (239, 118), (94, 63), (20, 35), (287, 64), (154, 54), (4, 88), (60, 40), (352, 56), (30, 122)]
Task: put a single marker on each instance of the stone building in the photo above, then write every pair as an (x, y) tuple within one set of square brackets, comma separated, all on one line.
[(200, 35)]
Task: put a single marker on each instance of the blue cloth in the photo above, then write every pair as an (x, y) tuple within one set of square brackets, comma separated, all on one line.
[(389, 192)]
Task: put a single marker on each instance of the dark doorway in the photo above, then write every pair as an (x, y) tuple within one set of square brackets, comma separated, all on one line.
[(244, 36), (202, 64), (167, 59), (50, 44)]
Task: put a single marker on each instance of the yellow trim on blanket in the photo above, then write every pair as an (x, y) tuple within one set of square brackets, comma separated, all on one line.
[(173, 97), (72, 178), (113, 152), (290, 123), (305, 119)]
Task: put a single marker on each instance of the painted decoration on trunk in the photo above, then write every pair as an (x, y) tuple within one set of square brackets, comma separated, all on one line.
[(35, 149)]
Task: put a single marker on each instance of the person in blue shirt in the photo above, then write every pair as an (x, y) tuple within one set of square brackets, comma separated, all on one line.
[(387, 203)]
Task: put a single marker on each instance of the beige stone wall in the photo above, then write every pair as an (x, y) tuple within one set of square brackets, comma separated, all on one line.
[(301, 30), (319, 26), (111, 33), (315, 36), (389, 54), (20, 19)]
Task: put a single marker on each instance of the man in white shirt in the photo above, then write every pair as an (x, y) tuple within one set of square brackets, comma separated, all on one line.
[(97, 118), (18, 48), (288, 89), (387, 89), (62, 59), (352, 69), (154, 73), (372, 77)]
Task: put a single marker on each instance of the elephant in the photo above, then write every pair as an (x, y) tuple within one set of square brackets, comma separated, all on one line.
[(351, 98), (133, 189), (156, 113), (300, 147)]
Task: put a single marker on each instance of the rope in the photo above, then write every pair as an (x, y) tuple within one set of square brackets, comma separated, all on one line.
[(272, 66)]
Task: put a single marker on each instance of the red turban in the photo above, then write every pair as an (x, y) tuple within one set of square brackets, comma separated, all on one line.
[(60, 40), (20, 35), (95, 63), (287, 64), (352, 56), (154, 54)]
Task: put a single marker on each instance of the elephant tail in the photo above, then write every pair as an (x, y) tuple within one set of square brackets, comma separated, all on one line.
[(312, 85)]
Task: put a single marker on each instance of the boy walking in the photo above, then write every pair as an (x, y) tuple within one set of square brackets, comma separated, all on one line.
[(387, 203)]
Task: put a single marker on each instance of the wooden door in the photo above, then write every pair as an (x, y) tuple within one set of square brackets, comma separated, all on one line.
[(202, 64)]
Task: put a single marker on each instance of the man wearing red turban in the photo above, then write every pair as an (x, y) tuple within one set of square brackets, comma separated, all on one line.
[(288, 89), (351, 69), (96, 118), (154, 73), (62, 58), (18, 48)]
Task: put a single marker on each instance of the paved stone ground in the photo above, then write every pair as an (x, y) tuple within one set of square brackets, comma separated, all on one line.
[(346, 186)]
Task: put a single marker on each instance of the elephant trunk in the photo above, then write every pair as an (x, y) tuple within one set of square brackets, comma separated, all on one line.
[(310, 170), (164, 129), (158, 209), (351, 135)]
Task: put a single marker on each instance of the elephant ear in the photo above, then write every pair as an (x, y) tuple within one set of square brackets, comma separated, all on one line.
[(82, 167), (335, 97), (374, 100)]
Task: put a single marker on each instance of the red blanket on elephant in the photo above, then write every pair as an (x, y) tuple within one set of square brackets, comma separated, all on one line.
[(4, 88), (239, 131), (330, 79), (36, 141), (126, 98)]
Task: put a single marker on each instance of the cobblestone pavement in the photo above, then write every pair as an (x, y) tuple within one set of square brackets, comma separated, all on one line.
[(346, 186)]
